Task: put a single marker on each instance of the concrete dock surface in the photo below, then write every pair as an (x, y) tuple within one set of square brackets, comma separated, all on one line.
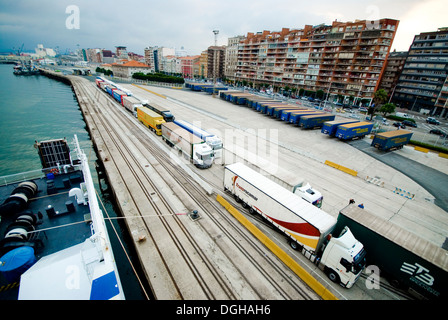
[(382, 189)]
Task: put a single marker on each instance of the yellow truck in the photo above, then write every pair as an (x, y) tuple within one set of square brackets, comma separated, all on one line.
[(150, 119)]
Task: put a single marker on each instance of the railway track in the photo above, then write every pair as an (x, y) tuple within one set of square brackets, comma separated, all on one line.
[(213, 257)]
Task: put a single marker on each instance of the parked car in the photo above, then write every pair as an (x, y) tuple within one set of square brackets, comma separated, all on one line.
[(438, 132), (432, 121), (409, 123), (399, 125), (362, 109)]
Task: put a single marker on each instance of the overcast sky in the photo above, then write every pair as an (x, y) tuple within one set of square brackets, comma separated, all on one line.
[(138, 24)]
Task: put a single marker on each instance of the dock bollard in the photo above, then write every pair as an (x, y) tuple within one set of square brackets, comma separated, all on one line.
[(194, 215)]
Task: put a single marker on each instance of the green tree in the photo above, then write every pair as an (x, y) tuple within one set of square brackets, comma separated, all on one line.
[(387, 108), (320, 94), (378, 99)]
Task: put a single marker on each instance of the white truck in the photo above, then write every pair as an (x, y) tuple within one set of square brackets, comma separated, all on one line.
[(212, 140), (307, 227), (192, 147), (131, 103)]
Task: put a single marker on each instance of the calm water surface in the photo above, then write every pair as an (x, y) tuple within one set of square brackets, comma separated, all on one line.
[(39, 108)]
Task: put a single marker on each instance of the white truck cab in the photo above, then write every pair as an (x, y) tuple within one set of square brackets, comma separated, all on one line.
[(202, 155), (216, 144), (308, 193), (343, 259)]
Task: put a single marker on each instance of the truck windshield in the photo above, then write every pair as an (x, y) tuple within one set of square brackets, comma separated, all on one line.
[(216, 145), (204, 157), (359, 261)]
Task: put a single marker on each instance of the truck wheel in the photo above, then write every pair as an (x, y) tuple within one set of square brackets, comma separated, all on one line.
[(237, 199), (251, 210), (333, 276), (295, 245), (244, 204)]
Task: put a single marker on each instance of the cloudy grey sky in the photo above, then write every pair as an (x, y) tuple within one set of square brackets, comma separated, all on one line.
[(189, 23)]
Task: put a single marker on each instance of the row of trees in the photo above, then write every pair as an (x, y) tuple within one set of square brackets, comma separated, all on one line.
[(104, 71), (158, 77)]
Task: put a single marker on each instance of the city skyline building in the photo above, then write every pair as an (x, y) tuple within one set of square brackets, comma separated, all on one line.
[(422, 84), (215, 62), (394, 66), (344, 58)]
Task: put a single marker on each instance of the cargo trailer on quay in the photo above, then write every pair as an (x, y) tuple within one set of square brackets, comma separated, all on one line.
[(188, 145), (391, 140), (352, 131), (330, 127), (307, 227), (406, 260), (212, 140)]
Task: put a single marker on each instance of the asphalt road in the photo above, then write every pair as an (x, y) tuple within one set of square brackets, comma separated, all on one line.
[(434, 181)]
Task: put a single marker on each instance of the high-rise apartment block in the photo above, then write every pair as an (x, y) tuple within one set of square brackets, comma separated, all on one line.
[(215, 63), (394, 66), (423, 81), (121, 52), (231, 56), (345, 58)]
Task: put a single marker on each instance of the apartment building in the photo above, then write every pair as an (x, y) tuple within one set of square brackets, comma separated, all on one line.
[(394, 65), (422, 83), (231, 57), (442, 99), (215, 62), (203, 62), (121, 52), (344, 58), (189, 66)]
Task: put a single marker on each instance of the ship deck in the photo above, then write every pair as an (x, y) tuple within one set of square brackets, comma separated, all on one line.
[(67, 228)]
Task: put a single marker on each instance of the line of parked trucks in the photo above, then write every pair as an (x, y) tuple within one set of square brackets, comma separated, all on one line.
[(306, 118), (192, 142), (341, 247)]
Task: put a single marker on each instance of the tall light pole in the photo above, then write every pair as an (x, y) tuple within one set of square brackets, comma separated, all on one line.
[(215, 54), (216, 32)]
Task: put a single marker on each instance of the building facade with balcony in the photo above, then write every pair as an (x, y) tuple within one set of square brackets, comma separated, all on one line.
[(422, 84), (231, 57), (394, 65), (215, 62), (344, 58)]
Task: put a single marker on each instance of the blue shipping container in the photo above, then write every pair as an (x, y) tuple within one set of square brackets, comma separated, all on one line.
[(330, 127), (313, 121), (353, 130)]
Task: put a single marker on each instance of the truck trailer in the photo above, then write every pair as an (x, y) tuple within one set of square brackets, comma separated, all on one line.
[(391, 140), (150, 119), (307, 228), (330, 127), (351, 131), (262, 105), (279, 111), (163, 111), (212, 140), (190, 146), (315, 121), (404, 258), (131, 104), (118, 95), (295, 116)]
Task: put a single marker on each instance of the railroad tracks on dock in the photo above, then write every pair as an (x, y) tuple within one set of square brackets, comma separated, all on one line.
[(213, 257)]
